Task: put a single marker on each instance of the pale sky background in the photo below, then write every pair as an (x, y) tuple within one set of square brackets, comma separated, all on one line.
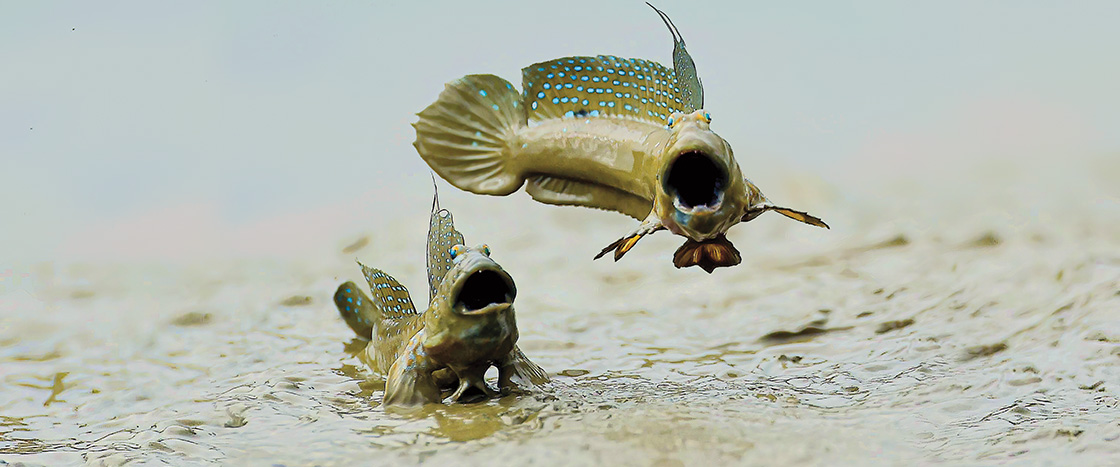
[(124, 125)]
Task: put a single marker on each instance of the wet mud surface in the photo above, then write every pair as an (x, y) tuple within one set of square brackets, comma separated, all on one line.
[(977, 339)]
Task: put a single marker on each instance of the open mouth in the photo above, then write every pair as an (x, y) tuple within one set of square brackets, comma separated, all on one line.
[(482, 289), (696, 181)]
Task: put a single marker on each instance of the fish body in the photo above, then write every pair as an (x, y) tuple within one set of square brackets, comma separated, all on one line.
[(627, 135), (468, 327)]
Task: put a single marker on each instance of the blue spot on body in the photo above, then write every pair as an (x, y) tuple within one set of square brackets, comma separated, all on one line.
[(482, 92), (495, 106), (540, 95)]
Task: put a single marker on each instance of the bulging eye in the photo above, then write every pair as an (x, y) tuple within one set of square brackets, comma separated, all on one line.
[(456, 250), (486, 249), (670, 122), (707, 117)]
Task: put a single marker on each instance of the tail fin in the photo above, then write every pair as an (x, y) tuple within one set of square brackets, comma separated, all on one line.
[(356, 309), (463, 135)]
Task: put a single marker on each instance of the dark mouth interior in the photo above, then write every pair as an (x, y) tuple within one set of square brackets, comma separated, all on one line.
[(695, 179), (483, 288)]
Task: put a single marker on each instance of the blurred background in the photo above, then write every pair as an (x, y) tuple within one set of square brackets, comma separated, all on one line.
[(183, 186), (162, 131)]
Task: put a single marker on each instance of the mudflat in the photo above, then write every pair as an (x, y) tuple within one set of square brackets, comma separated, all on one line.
[(969, 321)]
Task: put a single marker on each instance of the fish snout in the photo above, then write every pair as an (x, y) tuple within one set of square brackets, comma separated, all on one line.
[(483, 287), (695, 182)]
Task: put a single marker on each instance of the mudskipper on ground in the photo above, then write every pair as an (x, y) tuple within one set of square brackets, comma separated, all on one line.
[(622, 134), (468, 327)]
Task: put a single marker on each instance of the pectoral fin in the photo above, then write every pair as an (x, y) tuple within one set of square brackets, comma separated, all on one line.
[(624, 244), (517, 370), (410, 381), (800, 216)]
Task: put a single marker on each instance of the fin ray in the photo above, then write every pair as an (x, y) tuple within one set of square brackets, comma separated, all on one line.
[(709, 254), (390, 298), (568, 192), (691, 89), (522, 370), (441, 237), (463, 134)]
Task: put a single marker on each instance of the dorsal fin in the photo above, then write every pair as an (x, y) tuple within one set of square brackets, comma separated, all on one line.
[(390, 298), (441, 237), (600, 86), (692, 92)]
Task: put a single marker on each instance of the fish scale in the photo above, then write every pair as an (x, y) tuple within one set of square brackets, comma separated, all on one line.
[(603, 85)]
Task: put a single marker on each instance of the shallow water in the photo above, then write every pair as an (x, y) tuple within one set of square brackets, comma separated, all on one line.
[(911, 332)]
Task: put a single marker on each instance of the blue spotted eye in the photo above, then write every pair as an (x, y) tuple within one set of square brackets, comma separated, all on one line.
[(671, 121), (456, 250), (486, 249), (708, 117)]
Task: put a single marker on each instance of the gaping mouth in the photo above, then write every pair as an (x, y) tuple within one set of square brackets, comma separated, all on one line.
[(483, 289), (696, 181)]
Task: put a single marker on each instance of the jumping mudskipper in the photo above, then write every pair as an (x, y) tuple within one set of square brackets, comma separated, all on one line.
[(621, 134)]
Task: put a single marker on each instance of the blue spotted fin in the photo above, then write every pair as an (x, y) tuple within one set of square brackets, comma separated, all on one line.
[(356, 309), (390, 298), (464, 134), (441, 237), (603, 85), (691, 91)]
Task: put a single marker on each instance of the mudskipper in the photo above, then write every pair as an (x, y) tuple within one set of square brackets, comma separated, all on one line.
[(468, 327), (621, 134)]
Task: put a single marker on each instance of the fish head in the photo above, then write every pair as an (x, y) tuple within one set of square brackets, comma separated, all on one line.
[(471, 316), (700, 186)]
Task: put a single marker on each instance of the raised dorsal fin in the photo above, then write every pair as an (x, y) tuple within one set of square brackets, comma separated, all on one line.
[(600, 86), (441, 237), (692, 92), (390, 298)]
